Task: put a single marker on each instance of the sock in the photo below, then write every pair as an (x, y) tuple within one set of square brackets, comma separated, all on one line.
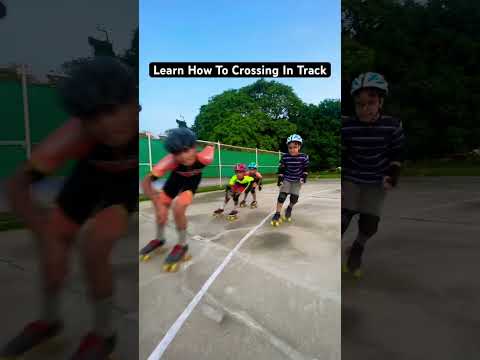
[(160, 231), (51, 308), (182, 236), (103, 324), (361, 239)]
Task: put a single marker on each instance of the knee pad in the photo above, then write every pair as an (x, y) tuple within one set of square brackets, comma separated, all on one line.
[(293, 199), (346, 218), (185, 198), (282, 197), (368, 224)]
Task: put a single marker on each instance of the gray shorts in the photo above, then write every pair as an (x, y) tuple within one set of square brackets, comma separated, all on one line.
[(292, 188), (363, 198)]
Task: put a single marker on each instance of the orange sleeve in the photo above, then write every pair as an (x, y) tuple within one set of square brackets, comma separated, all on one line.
[(163, 166), (206, 155), (68, 142)]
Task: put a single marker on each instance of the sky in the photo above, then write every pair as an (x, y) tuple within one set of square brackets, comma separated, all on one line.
[(58, 30), (217, 31)]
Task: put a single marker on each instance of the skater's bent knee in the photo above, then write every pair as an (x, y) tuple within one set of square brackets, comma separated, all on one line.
[(293, 199), (282, 197), (162, 199), (368, 224), (185, 198)]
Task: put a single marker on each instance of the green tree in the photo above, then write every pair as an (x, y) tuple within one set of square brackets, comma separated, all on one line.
[(264, 114)]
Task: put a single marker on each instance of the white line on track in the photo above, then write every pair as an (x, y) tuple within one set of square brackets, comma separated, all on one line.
[(172, 332)]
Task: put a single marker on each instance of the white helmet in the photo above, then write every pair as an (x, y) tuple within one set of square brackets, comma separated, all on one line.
[(294, 137), (369, 80)]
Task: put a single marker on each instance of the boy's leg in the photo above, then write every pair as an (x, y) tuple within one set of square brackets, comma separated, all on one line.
[(161, 203), (371, 201), (109, 225), (282, 196), (55, 245), (294, 195), (346, 219), (370, 205), (179, 211), (350, 203)]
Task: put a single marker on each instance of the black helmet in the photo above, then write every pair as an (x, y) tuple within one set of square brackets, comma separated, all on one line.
[(180, 139), (98, 86)]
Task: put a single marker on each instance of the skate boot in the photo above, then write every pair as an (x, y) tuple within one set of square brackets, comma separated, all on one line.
[(95, 347), (243, 203), (288, 214), (253, 205), (354, 261), (32, 336), (233, 215), (147, 250), (276, 220), (177, 255), (218, 212)]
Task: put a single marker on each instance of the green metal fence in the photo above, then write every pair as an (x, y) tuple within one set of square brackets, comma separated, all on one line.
[(226, 156), (29, 112)]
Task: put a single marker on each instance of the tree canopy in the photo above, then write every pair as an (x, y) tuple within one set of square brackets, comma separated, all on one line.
[(429, 53), (263, 114)]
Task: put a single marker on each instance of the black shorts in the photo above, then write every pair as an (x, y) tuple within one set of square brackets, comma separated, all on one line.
[(176, 184), (89, 189)]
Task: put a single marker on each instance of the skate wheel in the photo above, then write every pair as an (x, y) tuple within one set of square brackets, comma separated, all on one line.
[(357, 274), (166, 267), (174, 267), (146, 258), (141, 259), (187, 258)]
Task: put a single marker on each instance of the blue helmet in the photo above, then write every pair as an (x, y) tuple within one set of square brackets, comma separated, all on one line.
[(252, 165), (294, 137)]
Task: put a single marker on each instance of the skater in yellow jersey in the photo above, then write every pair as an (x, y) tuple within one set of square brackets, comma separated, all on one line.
[(238, 184)]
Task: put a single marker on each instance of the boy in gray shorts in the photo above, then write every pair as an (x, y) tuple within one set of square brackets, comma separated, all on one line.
[(372, 145), (292, 173)]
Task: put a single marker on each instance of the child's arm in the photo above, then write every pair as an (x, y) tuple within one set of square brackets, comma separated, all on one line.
[(161, 168), (306, 163), (280, 172), (232, 181), (67, 142), (206, 155), (396, 155)]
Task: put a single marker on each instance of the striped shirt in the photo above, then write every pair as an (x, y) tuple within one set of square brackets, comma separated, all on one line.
[(368, 149), (293, 167)]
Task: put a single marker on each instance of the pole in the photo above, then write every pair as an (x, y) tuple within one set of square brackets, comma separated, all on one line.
[(256, 157), (219, 163), (149, 151), (26, 113)]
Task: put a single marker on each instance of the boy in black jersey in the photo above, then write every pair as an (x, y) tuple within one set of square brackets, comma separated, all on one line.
[(185, 164), (101, 97), (372, 146)]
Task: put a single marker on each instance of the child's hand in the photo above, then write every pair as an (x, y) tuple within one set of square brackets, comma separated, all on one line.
[(387, 183)]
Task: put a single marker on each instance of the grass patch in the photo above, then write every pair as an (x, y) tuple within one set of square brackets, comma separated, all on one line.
[(9, 222)]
